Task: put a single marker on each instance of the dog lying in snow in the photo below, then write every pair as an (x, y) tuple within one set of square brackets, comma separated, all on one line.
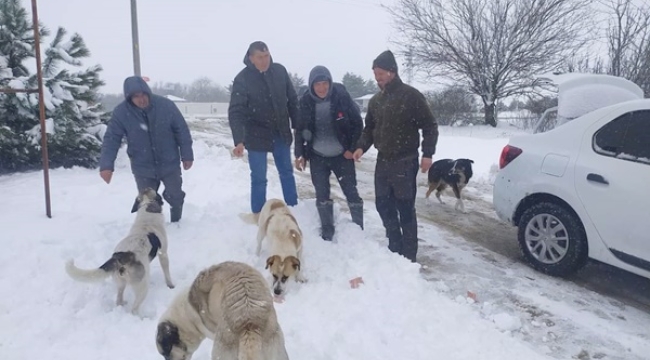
[(129, 264), (453, 173), (230, 303)]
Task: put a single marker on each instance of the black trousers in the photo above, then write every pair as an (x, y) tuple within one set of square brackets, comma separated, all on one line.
[(322, 167), (395, 190), (173, 182)]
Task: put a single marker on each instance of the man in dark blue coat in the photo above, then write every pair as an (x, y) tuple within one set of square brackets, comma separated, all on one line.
[(158, 140), (263, 110), (330, 126)]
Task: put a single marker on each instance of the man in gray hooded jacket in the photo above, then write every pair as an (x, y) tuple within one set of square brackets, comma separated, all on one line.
[(158, 140), (326, 136)]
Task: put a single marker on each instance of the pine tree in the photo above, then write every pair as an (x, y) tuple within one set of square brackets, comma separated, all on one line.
[(74, 117)]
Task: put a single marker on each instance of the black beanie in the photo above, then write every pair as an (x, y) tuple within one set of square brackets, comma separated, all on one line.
[(385, 61)]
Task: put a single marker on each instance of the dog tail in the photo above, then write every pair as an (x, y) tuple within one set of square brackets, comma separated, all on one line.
[(93, 275), (249, 218), (250, 345), (116, 264)]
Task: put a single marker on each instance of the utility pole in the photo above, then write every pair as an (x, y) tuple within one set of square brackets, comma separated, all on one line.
[(134, 35)]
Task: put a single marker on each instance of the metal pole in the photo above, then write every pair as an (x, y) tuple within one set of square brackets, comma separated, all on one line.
[(41, 110), (134, 36)]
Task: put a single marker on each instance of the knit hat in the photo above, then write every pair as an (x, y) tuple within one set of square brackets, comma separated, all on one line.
[(386, 61)]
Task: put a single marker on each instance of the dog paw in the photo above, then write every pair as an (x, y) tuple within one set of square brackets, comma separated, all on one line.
[(301, 280), (121, 302), (170, 285)]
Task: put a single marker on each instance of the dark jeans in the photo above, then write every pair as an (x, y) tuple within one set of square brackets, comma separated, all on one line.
[(257, 161), (321, 168), (395, 190), (173, 182)]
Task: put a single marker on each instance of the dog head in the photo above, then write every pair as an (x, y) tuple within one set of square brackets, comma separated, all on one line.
[(282, 270), (169, 343), (463, 167), (149, 200)]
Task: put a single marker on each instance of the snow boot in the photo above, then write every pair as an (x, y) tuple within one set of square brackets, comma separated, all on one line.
[(326, 213), (356, 212), (176, 213)]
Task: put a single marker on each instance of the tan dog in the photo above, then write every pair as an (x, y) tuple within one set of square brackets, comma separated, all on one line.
[(229, 303), (276, 223), (129, 264)]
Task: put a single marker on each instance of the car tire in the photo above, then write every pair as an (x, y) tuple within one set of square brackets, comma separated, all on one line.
[(552, 239)]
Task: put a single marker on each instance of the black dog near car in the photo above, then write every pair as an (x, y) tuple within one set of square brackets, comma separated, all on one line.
[(452, 173)]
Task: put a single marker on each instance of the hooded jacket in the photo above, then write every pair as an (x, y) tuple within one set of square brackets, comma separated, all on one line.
[(262, 105), (345, 116), (157, 137)]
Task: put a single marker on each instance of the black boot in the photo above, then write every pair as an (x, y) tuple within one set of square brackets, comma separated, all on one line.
[(394, 235), (356, 211), (176, 213), (326, 213)]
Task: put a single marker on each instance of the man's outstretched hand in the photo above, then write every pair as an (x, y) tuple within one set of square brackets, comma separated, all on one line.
[(106, 175)]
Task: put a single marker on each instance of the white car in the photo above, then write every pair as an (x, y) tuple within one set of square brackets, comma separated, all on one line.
[(581, 190)]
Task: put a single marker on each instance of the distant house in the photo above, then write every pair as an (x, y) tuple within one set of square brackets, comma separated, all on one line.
[(175, 98), (200, 109), (363, 101)]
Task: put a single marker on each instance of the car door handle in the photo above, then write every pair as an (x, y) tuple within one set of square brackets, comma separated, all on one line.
[(597, 178)]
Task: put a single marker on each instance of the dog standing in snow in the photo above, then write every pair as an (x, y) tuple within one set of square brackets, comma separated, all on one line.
[(230, 303), (129, 264), (276, 223), (453, 173)]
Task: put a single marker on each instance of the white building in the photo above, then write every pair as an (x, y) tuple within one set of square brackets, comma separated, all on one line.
[(200, 109), (363, 101)]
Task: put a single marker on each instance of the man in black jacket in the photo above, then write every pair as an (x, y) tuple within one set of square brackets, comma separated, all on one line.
[(395, 116), (263, 110), (330, 126)]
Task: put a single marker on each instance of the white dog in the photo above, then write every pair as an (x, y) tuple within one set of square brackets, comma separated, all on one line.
[(276, 223), (131, 257), (229, 303)]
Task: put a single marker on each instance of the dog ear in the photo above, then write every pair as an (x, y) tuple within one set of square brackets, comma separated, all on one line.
[(270, 261), (471, 161), (294, 261)]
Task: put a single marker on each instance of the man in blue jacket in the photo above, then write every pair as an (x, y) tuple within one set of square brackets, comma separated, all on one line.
[(158, 140)]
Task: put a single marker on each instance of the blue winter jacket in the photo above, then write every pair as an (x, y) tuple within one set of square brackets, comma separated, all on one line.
[(157, 137)]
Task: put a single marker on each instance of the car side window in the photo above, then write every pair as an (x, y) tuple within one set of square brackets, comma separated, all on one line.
[(626, 137)]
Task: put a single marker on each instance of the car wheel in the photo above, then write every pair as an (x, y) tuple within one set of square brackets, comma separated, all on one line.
[(552, 239)]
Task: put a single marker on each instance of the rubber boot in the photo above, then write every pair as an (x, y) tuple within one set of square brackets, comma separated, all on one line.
[(356, 212), (326, 213), (176, 213)]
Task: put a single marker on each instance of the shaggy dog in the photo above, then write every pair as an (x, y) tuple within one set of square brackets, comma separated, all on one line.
[(230, 303)]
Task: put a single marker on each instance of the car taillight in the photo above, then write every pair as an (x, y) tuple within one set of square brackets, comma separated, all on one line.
[(508, 154)]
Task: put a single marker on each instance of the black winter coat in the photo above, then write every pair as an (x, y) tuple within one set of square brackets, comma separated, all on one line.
[(262, 105), (348, 123)]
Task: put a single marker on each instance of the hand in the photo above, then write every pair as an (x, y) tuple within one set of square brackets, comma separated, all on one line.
[(358, 153), (348, 155), (425, 164), (238, 151), (300, 163), (187, 164), (106, 175)]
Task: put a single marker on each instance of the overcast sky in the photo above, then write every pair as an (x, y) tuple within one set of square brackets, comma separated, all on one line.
[(182, 40)]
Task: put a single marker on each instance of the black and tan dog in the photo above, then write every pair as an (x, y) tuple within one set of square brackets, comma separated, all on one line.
[(452, 173)]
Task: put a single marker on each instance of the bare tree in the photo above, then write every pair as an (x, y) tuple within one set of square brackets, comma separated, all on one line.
[(496, 47), (628, 40)]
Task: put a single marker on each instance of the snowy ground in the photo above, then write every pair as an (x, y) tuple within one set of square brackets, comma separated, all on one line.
[(404, 310)]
